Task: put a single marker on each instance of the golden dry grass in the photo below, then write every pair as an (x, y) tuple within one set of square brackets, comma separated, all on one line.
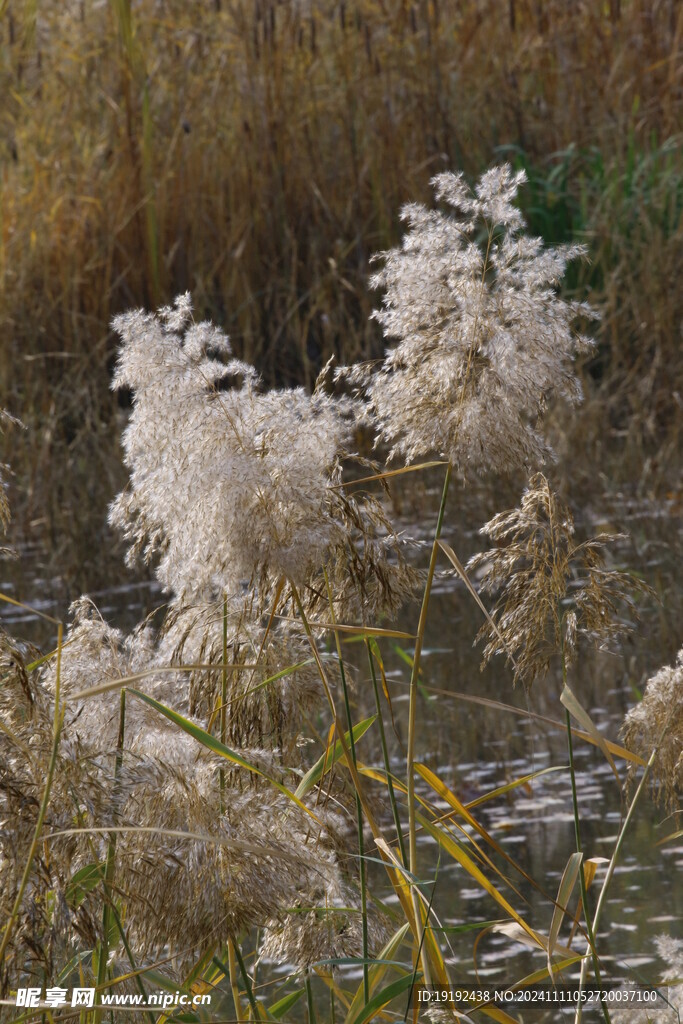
[(257, 153)]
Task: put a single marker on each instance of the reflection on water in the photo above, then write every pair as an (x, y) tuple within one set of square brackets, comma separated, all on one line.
[(476, 749)]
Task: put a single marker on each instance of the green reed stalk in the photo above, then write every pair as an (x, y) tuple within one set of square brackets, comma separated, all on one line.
[(330, 700), (224, 695), (385, 755), (137, 976), (359, 807), (579, 849), (412, 714), (333, 1012), (309, 1000), (247, 981), (234, 987), (361, 841), (230, 970), (111, 853), (610, 872), (56, 733), (232, 945)]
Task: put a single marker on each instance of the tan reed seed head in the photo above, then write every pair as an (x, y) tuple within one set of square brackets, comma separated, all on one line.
[(483, 339), (657, 722), (325, 923), (551, 590)]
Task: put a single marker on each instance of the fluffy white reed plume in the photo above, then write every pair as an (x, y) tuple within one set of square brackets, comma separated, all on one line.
[(483, 338), (657, 721), (227, 483)]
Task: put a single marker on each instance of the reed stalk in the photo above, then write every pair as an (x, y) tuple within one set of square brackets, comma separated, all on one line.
[(109, 909), (246, 979), (359, 807), (58, 720), (608, 878), (224, 695), (412, 712), (310, 1006), (234, 985), (579, 849), (385, 757), (362, 872)]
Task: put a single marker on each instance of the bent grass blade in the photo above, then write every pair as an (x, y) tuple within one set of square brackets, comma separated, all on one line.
[(395, 472), (564, 892), (460, 569), (238, 845), (459, 855), (488, 702), (29, 608), (361, 631), (570, 702), (331, 756)]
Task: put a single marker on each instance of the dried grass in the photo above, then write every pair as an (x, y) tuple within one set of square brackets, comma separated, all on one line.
[(258, 153)]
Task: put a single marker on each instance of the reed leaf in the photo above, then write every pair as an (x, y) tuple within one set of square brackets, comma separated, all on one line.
[(382, 999), (564, 892), (573, 706), (462, 858), (380, 966), (327, 761)]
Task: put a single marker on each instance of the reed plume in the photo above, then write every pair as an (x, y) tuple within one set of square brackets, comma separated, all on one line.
[(325, 923), (551, 591), (483, 339), (657, 722)]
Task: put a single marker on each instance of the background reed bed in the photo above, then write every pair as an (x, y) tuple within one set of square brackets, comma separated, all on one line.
[(257, 153)]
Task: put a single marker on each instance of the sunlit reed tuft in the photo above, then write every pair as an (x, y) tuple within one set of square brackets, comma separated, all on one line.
[(483, 338), (657, 722), (232, 485)]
